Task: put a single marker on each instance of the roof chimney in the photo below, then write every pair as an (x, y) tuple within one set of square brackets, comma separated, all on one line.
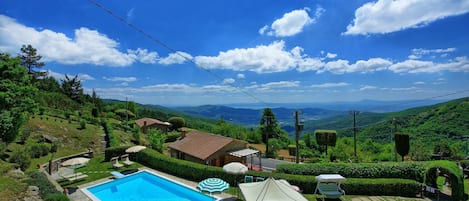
[(183, 133)]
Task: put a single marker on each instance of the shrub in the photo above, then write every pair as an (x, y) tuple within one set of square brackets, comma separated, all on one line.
[(110, 138), (56, 197), (38, 150), (46, 189), (22, 158), (406, 170), (82, 124), (173, 136)]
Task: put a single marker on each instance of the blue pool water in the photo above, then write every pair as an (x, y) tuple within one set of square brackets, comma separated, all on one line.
[(145, 186)]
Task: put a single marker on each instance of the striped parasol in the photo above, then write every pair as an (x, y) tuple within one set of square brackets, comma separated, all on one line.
[(213, 185)]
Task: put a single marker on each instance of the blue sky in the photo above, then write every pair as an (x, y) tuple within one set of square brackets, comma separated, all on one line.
[(244, 51)]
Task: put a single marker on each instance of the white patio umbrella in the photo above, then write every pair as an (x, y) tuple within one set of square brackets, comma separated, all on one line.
[(135, 149), (75, 161), (235, 168)]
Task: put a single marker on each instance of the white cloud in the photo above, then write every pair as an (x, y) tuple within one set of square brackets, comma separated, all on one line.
[(419, 52), (84, 77), (458, 64), (419, 83), (143, 56), (281, 84), (404, 89), (240, 76), (60, 76), (275, 85), (386, 16), (87, 46), (229, 81), (310, 64), (330, 85), (367, 87), (176, 58), (120, 79), (363, 66), (291, 23), (263, 30), (331, 55), (261, 59)]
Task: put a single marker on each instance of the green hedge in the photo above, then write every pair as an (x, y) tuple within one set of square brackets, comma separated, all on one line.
[(198, 172), (114, 152), (452, 170), (388, 187), (406, 170)]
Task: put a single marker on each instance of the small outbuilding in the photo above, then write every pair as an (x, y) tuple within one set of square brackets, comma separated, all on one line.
[(146, 123)]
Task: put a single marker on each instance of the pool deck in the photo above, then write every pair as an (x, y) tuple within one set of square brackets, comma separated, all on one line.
[(78, 195)]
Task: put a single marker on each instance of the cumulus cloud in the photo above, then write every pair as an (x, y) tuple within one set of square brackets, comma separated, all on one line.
[(86, 47), (291, 23), (229, 81), (143, 55), (363, 66), (386, 16), (176, 58), (240, 76), (261, 59), (330, 85), (310, 64), (458, 64), (120, 79)]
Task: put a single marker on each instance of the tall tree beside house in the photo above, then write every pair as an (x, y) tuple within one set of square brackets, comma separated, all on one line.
[(30, 58), (16, 96), (268, 127), (72, 88)]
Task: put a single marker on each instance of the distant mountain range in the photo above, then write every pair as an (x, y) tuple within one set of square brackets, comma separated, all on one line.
[(363, 105), (249, 114), (252, 116)]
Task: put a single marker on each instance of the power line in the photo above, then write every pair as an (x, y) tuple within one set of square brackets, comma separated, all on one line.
[(170, 49)]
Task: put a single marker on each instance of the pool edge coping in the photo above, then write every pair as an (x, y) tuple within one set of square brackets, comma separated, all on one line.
[(84, 188)]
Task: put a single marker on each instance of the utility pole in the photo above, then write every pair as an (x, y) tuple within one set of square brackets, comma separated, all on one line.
[(298, 128), (354, 113)]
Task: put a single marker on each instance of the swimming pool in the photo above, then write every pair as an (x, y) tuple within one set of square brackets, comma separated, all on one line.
[(144, 186)]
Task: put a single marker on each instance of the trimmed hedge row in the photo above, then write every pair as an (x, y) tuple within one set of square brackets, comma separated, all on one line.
[(456, 176), (407, 170), (198, 172)]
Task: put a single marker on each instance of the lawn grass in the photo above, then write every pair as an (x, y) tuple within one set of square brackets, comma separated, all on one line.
[(97, 169), (11, 188)]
